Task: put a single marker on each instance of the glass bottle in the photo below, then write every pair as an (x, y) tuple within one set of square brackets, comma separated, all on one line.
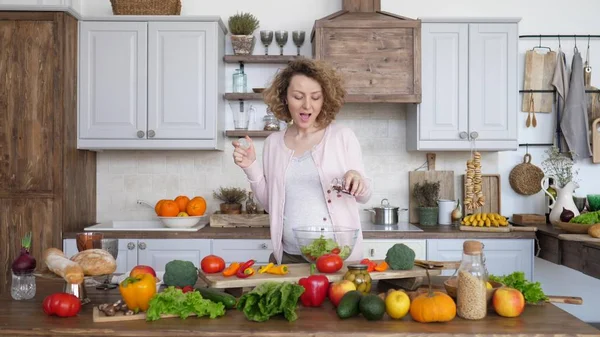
[(239, 81), (471, 293), (23, 286), (251, 207)]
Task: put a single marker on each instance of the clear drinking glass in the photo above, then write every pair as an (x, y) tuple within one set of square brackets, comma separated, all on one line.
[(266, 37), (22, 286), (242, 113), (281, 36), (298, 38)]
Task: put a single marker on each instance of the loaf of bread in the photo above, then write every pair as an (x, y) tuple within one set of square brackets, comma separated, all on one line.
[(95, 262), (594, 231), (59, 264)]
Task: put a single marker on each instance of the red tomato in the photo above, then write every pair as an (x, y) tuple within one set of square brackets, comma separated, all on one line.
[(61, 304), (329, 263), (212, 264), (335, 250)]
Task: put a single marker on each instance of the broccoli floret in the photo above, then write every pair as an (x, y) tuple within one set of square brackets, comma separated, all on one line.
[(180, 273), (400, 257)]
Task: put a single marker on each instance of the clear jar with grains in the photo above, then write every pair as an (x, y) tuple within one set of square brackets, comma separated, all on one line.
[(471, 293), (358, 274)]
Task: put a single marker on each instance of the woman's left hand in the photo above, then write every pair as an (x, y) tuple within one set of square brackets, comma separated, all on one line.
[(354, 182)]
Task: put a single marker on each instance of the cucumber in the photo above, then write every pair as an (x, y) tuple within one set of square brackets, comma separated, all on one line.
[(229, 301)]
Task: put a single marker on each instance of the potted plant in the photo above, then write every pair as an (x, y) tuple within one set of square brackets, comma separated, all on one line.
[(241, 26), (426, 195), (232, 198)]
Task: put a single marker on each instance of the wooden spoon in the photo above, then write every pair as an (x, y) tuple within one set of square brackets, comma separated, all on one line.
[(534, 121), (528, 121)]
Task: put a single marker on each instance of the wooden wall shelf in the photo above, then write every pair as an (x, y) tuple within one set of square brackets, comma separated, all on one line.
[(259, 58), (251, 133), (246, 96)]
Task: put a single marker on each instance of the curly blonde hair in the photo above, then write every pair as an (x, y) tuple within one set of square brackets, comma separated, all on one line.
[(326, 76)]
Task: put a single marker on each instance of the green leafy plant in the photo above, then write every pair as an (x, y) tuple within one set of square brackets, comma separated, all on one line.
[(230, 195), (560, 166), (243, 24), (532, 291), (427, 193)]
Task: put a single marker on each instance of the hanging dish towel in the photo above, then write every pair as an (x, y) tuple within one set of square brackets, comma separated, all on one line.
[(560, 82), (574, 123), (539, 68)]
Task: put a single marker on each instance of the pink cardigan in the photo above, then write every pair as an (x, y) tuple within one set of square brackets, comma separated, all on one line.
[(338, 152)]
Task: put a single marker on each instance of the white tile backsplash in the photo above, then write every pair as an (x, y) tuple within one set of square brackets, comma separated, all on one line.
[(127, 176)]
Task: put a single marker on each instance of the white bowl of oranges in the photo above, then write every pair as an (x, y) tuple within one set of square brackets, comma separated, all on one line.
[(182, 212)]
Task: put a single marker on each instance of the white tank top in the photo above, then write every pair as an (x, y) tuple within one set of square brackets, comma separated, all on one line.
[(305, 204)]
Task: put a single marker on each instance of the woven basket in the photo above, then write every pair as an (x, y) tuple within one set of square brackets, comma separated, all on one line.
[(146, 7), (525, 178)]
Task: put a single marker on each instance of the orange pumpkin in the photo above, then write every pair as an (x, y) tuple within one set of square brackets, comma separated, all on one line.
[(196, 206), (182, 202), (169, 208), (433, 306), (157, 206)]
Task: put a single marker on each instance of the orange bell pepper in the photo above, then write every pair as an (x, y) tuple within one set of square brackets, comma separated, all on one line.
[(383, 266), (137, 291), (232, 269)]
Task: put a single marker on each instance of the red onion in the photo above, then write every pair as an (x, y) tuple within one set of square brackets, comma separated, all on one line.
[(25, 263)]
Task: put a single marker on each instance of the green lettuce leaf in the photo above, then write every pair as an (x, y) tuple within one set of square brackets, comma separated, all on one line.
[(532, 291), (174, 301), (269, 299)]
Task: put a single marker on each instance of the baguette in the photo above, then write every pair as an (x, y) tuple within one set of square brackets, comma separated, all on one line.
[(95, 262), (59, 264)]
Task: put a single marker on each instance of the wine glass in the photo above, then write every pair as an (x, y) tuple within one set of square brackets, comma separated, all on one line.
[(89, 240), (298, 38), (266, 36), (281, 36)]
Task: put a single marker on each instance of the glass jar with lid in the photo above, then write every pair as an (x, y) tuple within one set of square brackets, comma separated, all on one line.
[(471, 292), (239, 81), (358, 274)]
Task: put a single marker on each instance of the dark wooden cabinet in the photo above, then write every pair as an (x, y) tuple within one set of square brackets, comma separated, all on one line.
[(47, 186)]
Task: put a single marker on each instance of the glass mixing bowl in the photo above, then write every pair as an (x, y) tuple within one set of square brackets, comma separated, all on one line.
[(315, 241)]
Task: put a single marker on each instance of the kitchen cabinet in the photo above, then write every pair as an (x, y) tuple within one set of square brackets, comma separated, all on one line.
[(243, 250), (469, 86), (377, 249), (151, 85), (502, 256), (33, 3), (153, 252)]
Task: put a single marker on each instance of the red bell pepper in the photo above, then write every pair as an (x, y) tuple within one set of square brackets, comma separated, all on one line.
[(315, 289), (241, 272)]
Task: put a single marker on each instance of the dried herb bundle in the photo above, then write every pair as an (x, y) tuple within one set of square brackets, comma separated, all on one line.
[(242, 24), (230, 195), (560, 166), (427, 193)]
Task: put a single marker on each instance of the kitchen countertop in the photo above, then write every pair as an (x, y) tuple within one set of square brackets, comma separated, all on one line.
[(25, 318), (429, 232)]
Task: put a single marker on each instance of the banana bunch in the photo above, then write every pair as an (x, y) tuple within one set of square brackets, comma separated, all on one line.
[(484, 219), (473, 184)]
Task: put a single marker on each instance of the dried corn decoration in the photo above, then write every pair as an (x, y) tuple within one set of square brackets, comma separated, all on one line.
[(473, 184)]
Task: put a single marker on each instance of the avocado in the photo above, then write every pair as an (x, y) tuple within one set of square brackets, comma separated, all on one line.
[(348, 306), (372, 307)]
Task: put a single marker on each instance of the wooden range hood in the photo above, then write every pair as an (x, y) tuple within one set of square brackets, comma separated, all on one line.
[(377, 53)]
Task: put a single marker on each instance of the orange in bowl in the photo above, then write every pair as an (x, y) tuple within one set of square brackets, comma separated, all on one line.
[(196, 206), (182, 202), (168, 208)]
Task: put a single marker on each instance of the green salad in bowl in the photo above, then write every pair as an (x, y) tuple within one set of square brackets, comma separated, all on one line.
[(315, 242)]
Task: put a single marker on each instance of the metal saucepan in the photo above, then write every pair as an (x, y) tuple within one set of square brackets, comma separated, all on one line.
[(385, 214)]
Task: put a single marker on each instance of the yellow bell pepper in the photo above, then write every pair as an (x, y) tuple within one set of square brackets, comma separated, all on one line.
[(266, 268), (278, 270), (137, 291)]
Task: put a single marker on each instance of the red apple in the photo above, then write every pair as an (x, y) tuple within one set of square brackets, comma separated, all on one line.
[(508, 302), (338, 289), (141, 269)]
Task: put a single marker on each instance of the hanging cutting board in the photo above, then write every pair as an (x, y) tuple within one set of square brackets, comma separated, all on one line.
[(491, 191), (539, 69), (596, 141), (300, 270)]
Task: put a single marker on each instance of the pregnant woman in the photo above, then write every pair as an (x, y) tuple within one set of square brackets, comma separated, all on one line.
[(299, 163)]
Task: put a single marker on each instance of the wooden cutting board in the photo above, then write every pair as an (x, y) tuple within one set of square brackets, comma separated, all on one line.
[(446, 179), (239, 220), (100, 317), (504, 229), (300, 270), (491, 188), (578, 237), (525, 219), (596, 141)]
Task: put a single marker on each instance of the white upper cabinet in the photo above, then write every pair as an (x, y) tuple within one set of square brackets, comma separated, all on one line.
[(470, 88), (151, 85)]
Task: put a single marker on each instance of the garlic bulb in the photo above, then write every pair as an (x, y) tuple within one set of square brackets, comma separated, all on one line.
[(457, 212)]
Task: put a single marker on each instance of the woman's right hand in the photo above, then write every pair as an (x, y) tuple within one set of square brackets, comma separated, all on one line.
[(244, 156)]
